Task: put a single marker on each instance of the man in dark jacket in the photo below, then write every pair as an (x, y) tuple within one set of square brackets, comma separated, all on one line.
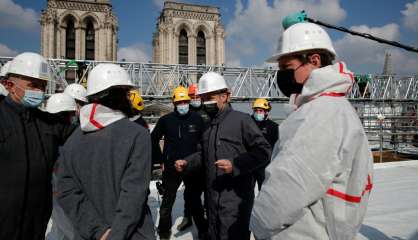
[(270, 130), (182, 131), (232, 148), (29, 140), (105, 166), (196, 103)]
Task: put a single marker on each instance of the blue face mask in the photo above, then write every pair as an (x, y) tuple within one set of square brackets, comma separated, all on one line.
[(196, 103), (259, 117), (183, 109), (32, 99)]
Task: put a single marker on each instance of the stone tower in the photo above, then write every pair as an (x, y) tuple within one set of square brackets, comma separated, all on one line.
[(79, 29), (189, 34), (387, 67)]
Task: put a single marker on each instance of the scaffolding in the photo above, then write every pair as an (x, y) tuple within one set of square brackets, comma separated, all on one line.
[(392, 96)]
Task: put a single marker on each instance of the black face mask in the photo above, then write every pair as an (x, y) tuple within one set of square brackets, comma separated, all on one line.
[(287, 82), (211, 108)]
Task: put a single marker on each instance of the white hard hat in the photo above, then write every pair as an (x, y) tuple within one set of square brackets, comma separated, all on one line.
[(60, 102), (5, 69), (30, 65), (301, 37), (77, 91), (106, 75), (211, 82)]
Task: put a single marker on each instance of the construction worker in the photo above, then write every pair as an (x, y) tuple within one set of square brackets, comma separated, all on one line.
[(79, 93), (195, 106), (196, 102), (232, 148), (29, 141), (320, 175), (138, 106), (64, 108), (3, 78), (261, 108), (182, 130), (105, 166)]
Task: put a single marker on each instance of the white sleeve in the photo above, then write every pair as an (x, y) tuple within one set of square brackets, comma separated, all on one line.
[(300, 173)]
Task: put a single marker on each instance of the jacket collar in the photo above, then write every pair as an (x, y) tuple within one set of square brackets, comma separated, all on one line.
[(18, 108), (222, 115)]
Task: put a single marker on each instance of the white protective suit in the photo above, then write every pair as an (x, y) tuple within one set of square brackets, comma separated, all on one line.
[(318, 183)]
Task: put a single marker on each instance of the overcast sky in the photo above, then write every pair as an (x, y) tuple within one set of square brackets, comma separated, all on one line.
[(252, 28)]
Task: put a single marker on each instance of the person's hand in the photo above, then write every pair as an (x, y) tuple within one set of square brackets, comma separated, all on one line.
[(224, 165), (106, 234), (162, 167), (180, 165)]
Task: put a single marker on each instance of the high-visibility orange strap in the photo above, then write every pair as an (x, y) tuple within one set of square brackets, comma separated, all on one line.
[(92, 120), (332, 94), (350, 198)]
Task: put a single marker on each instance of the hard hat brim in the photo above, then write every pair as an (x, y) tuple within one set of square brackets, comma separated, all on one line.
[(122, 85)]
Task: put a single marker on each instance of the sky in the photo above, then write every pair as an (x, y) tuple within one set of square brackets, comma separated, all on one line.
[(252, 29)]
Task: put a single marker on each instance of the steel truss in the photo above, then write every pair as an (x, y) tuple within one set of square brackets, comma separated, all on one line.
[(392, 96), (158, 80)]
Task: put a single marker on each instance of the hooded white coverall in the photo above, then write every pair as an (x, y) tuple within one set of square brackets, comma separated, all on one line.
[(318, 183)]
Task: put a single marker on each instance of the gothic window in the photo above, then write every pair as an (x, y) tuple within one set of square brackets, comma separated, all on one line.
[(90, 36), (201, 48), (70, 40), (183, 47)]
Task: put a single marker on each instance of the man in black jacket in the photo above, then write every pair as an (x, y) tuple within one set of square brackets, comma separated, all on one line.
[(232, 147), (270, 130), (182, 131), (29, 140), (105, 166)]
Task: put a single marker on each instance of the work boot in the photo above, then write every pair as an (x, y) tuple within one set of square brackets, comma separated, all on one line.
[(164, 235), (185, 223)]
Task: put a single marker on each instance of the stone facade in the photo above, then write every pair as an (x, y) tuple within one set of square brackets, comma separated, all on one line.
[(91, 24), (197, 22)]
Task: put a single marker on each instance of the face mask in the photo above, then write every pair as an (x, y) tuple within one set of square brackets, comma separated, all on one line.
[(196, 103), (287, 82), (32, 99), (211, 108), (259, 117), (182, 109)]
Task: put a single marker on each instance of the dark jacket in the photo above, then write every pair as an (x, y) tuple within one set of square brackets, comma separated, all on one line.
[(201, 112), (29, 141), (181, 137), (103, 182), (142, 122), (269, 129), (231, 135)]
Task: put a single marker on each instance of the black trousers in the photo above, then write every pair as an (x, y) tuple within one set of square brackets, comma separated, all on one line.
[(259, 176), (192, 196)]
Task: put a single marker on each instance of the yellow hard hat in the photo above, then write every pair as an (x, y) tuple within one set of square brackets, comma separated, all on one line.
[(181, 94), (262, 103), (136, 99)]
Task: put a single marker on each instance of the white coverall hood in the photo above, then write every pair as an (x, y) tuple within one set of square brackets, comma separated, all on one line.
[(330, 79), (318, 183), (94, 117)]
